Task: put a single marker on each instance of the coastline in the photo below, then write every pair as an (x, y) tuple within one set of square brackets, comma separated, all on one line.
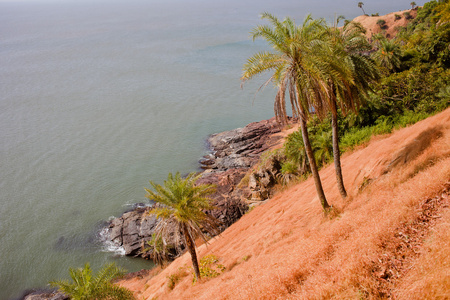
[(230, 156)]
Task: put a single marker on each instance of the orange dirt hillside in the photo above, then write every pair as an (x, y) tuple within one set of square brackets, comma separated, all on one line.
[(391, 25), (389, 239)]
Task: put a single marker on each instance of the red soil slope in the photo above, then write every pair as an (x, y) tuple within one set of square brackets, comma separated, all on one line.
[(371, 247), (390, 28)]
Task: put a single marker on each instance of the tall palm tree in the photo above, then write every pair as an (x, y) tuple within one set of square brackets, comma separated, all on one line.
[(182, 212), (350, 73), (360, 5), (296, 68)]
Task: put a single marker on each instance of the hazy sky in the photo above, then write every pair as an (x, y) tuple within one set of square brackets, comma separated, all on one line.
[(297, 9)]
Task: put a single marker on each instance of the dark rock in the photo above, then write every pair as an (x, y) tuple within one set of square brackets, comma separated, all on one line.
[(241, 148), (227, 199), (44, 294)]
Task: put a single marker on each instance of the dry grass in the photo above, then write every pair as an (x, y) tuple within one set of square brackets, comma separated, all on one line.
[(390, 28), (429, 277), (293, 251)]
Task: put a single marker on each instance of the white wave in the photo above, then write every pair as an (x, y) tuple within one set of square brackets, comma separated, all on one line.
[(110, 246)]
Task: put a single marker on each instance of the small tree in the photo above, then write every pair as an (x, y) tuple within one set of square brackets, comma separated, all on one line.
[(381, 23), (413, 4), (360, 5), (407, 15), (182, 213), (388, 55), (85, 286)]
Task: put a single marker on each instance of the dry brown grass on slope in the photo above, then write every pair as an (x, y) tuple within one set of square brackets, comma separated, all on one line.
[(287, 249), (428, 279), (391, 26)]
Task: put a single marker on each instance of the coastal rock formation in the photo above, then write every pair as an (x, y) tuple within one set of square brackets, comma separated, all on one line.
[(228, 203), (262, 180), (241, 147), (44, 295), (132, 229), (232, 154)]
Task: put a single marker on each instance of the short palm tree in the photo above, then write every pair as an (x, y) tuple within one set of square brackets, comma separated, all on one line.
[(182, 212), (297, 70), (86, 286), (388, 54)]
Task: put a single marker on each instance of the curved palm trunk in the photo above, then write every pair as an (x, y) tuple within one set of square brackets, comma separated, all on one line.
[(312, 163), (337, 154), (191, 247)]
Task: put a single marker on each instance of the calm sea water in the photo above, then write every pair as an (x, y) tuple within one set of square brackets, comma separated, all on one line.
[(98, 97)]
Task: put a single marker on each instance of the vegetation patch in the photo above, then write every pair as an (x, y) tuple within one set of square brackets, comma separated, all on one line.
[(209, 267), (173, 279), (381, 23), (85, 285)]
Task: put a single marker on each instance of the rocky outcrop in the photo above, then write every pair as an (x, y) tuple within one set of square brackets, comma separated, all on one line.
[(41, 294), (228, 203), (263, 179), (232, 154), (132, 230), (242, 147)]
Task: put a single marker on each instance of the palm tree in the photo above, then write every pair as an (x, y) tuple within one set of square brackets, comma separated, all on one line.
[(388, 54), (413, 4), (85, 286), (296, 68), (182, 212), (360, 5), (350, 73)]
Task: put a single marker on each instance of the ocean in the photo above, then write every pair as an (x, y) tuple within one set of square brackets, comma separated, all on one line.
[(97, 97)]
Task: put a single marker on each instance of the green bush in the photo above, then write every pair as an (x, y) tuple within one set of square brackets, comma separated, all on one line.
[(407, 15), (355, 137), (86, 286), (381, 23), (209, 267)]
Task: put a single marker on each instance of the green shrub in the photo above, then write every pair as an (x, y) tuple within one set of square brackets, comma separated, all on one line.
[(410, 117), (289, 167), (407, 15), (86, 286), (209, 267), (381, 23), (355, 137)]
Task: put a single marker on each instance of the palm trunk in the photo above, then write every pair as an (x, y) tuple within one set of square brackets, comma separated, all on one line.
[(312, 163), (336, 153), (191, 247)]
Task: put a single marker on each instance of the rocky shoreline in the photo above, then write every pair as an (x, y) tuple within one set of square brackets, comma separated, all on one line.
[(232, 154)]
